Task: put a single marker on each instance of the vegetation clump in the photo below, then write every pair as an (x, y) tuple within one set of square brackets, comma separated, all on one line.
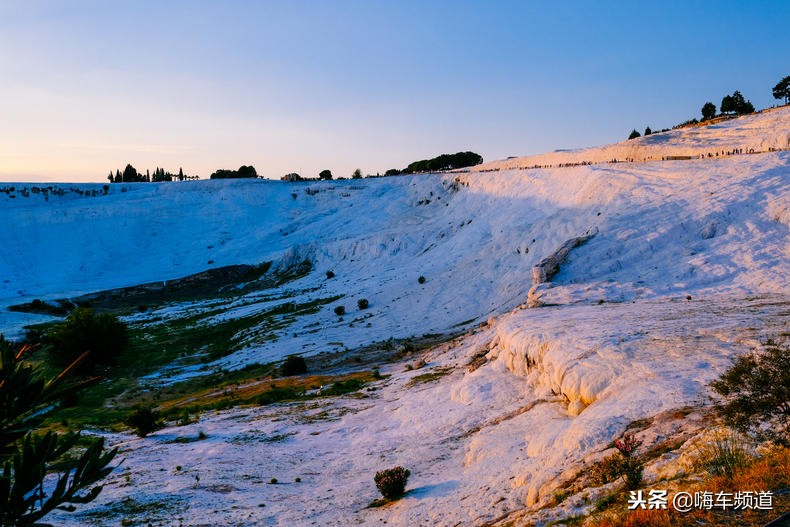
[(275, 395), (755, 394), (103, 335), (363, 303), (723, 454), (343, 387), (340, 311), (293, 365), (244, 171), (144, 420), (392, 482), (623, 464)]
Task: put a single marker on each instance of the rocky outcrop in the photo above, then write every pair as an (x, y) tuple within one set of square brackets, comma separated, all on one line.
[(548, 267)]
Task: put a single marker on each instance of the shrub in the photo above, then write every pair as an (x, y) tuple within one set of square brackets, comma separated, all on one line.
[(421, 279), (723, 454), (632, 467), (363, 303), (634, 134), (340, 311), (392, 482), (621, 464), (293, 365), (755, 394), (103, 335), (144, 420), (330, 274), (608, 469)]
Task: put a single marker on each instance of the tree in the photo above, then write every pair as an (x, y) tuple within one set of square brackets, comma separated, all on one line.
[(325, 174), (737, 100), (708, 111), (357, 174), (244, 171), (782, 90), (648, 131), (180, 174), (27, 494), (736, 104), (755, 393), (130, 174), (727, 104), (634, 134)]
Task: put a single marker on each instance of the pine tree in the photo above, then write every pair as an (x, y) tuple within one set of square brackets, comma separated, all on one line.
[(782, 90), (634, 134), (27, 458), (648, 131)]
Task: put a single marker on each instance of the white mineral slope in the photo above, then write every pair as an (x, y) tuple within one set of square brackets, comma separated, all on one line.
[(761, 132), (691, 261), (479, 444)]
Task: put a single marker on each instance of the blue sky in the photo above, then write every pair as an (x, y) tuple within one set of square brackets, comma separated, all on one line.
[(87, 86)]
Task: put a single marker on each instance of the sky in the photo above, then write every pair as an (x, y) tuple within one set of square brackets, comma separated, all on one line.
[(301, 86)]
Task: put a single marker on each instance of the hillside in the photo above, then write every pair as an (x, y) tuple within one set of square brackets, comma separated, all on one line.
[(766, 131), (682, 265)]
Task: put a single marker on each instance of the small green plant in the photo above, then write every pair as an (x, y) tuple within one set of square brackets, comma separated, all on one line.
[(623, 464), (340, 311), (421, 279), (273, 481), (562, 495), (363, 303), (723, 454), (293, 365), (632, 466), (144, 420), (392, 482)]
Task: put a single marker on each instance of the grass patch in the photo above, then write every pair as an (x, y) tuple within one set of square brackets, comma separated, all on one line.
[(431, 376), (189, 340), (766, 473), (270, 390), (132, 512)]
